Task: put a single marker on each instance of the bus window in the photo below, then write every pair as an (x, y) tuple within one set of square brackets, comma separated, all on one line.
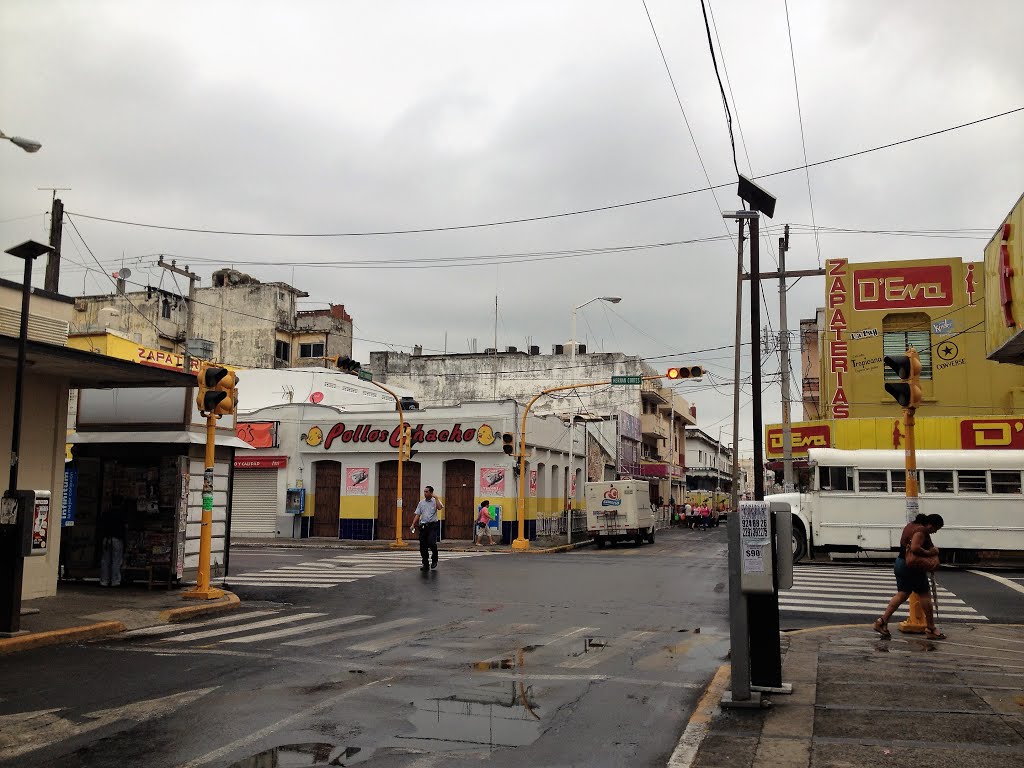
[(873, 480), (836, 478), (938, 481), (1005, 482), (971, 481), (899, 480)]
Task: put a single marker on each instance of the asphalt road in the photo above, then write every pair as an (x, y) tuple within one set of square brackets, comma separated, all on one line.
[(342, 657), (581, 658)]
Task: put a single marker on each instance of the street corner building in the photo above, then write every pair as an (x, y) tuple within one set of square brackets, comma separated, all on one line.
[(324, 471)]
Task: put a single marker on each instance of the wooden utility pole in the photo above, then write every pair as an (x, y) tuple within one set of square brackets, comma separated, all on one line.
[(51, 280), (193, 278)]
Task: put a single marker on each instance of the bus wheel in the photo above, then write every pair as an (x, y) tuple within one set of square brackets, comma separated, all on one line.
[(799, 542), (600, 541)]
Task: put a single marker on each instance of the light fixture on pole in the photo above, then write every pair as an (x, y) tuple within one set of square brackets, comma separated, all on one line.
[(29, 145), (16, 513), (572, 354)]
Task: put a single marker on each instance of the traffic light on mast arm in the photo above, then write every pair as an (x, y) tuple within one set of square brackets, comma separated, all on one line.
[(686, 372), (508, 443), (347, 365), (218, 392), (405, 444), (908, 367)]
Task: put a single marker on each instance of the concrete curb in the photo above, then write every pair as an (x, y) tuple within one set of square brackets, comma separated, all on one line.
[(229, 602), (699, 724), (560, 548), (387, 547), (60, 636)]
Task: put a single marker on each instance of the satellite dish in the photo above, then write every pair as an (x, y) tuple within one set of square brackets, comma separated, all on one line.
[(124, 273)]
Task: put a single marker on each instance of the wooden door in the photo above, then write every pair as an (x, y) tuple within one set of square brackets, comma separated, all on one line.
[(327, 499), (459, 501), (387, 496)]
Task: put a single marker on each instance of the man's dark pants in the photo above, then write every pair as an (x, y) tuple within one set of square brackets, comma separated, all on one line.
[(428, 540)]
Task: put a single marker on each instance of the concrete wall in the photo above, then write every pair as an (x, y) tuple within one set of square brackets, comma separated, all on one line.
[(43, 429)]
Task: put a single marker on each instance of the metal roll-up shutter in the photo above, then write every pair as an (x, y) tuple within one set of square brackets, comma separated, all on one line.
[(254, 502)]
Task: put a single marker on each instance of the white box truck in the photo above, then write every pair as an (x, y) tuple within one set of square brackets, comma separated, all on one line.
[(619, 510)]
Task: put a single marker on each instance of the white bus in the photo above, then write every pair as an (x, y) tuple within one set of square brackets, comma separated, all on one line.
[(856, 502)]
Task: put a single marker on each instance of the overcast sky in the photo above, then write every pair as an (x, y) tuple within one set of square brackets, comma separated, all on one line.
[(341, 117)]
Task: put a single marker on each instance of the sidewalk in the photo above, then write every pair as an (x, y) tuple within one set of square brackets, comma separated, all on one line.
[(85, 610), (537, 546), (859, 700)]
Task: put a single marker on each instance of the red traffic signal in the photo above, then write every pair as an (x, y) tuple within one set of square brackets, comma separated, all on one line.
[(686, 372)]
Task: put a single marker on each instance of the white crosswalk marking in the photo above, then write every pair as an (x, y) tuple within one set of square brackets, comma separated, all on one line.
[(859, 591), (286, 619), (339, 569), (166, 629), (383, 627), (612, 649), (299, 630)]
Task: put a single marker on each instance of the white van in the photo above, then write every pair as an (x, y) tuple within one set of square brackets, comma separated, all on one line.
[(619, 510)]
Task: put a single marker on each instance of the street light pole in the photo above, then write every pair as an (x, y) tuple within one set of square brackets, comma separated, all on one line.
[(572, 354), (29, 145), (398, 543), (12, 562)]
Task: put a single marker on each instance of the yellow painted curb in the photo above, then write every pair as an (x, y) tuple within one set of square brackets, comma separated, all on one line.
[(229, 602), (59, 636), (700, 721)]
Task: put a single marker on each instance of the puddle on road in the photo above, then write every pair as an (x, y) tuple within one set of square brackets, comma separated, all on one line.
[(303, 755), (510, 718)]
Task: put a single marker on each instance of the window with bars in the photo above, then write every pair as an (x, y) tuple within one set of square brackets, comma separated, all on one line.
[(897, 343)]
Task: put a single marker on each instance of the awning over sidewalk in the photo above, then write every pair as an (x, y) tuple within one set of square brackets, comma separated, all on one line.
[(87, 370), (176, 437)]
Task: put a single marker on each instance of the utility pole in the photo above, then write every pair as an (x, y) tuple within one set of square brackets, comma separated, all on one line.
[(193, 278), (52, 278), (737, 350), (787, 430)]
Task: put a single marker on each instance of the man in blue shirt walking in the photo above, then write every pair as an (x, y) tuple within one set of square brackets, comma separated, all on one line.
[(426, 518)]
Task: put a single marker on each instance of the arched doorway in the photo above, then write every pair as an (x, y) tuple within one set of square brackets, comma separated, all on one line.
[(326, 498), (387, 496), (459, 507)]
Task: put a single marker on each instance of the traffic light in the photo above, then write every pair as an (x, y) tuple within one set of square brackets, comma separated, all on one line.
[(228, 384), (686, 372), (405, 448), (348, 365), (508, 443), (208, 397), (908, 367)]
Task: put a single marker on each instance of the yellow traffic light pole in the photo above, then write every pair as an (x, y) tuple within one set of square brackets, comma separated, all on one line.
[(402, 447), (217, 396), (521, 543)]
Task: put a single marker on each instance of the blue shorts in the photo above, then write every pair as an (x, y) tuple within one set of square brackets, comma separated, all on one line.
[(908, 579)]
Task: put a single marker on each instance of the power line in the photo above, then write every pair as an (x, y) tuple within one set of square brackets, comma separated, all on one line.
[(803, 142), (565, 214), (725, 101)]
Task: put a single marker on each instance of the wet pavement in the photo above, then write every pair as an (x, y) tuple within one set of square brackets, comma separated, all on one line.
[(859, 700), (578, 658)]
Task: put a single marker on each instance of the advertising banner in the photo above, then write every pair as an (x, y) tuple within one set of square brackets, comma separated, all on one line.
[(357, 481), (492, 481)]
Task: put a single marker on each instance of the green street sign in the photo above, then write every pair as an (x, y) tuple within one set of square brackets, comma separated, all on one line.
[(365, 375), (627, 380)]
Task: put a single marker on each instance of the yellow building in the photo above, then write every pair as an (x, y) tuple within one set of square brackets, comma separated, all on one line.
[(935, 305), (1004, 289)]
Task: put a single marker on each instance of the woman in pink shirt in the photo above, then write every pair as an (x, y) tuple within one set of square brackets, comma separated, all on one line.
[(483, 523)]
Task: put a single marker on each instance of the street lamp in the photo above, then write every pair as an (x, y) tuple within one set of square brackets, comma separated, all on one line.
[(609, 299), (29, 145), (12, 561)]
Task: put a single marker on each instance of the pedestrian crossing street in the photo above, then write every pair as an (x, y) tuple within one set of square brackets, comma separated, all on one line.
[(480, 644), (341, 569), (859, 591)]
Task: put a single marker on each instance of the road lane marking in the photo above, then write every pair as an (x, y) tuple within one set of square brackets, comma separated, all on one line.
[(252, 738), (163, 629), (241, 628), (1004, 581), (612, 649), (395, 624), (300, 630)]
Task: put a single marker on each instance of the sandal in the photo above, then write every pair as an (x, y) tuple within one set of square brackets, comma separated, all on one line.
[(882, 628), (933, 634)]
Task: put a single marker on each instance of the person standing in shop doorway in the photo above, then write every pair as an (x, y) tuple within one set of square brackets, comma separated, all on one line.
[(426, 518), (112, 530)]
